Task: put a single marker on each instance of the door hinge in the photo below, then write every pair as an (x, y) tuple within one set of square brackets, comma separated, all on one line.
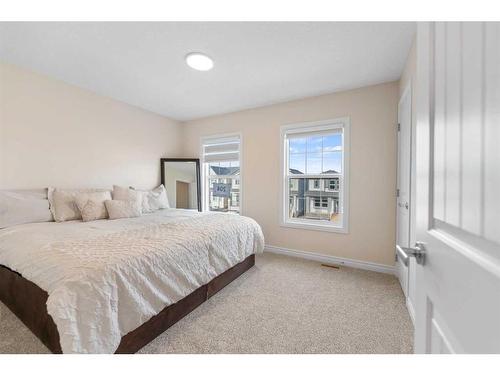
[(397, 193), (399, 127)]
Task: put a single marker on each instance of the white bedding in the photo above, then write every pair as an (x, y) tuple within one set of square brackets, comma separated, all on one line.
[(107, 277)]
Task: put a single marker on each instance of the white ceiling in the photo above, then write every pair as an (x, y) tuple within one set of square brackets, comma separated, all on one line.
[(256, 63)]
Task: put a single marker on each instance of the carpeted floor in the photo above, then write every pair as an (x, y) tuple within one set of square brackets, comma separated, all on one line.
[(282, 305)]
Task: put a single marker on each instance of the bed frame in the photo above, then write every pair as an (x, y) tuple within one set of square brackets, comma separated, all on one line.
[(29, 303)]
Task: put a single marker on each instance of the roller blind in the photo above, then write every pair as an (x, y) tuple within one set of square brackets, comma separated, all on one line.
[(221, 149), (305, 134)]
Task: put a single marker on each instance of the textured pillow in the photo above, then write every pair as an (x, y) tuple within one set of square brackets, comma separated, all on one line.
[(122, 193), (120, 209), (23, 206), (63, 202), (91, 205), (153, 200)]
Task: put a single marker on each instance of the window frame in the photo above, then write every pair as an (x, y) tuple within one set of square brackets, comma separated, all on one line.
[(204, 191), (316, 126)]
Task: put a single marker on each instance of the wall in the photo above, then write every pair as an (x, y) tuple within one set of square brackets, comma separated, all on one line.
[(55, 134), (373, 113)]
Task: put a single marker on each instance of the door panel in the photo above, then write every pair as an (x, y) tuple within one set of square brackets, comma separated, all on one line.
[(182, 194), (492, 132), (453, 123), (458, 176)]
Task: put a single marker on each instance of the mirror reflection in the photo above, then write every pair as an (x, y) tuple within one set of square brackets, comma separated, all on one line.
[(181, 179)]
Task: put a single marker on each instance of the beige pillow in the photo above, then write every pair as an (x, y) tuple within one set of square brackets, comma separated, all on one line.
[(120, 209), (91, 205), (122, 193), (63, 202)]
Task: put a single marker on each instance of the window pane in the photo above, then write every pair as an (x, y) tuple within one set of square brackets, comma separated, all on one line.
[(332, 143), (224, 195), (314, 144), (332, 162), (297, 145), (313, 163), (311, 199), (297, 163), (224, 168)]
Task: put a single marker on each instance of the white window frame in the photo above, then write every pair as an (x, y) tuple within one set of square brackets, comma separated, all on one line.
[(324, 125), (204, 191)]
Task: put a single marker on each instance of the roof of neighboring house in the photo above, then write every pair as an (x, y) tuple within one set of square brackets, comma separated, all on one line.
[(226, 171), (330, 171)]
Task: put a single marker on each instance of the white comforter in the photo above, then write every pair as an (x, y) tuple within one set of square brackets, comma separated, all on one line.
[(105, 278)]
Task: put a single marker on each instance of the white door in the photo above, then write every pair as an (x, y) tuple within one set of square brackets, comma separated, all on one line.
[(458, 188), (403, 204)]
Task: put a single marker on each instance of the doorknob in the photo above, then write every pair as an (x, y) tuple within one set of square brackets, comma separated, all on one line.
[(418, 252)]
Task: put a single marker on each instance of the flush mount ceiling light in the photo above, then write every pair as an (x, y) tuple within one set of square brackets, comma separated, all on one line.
[(199, 61)]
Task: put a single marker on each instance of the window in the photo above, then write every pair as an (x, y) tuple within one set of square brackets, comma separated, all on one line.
[(320, 202), (221, 173), (334, 184), (315, 175)]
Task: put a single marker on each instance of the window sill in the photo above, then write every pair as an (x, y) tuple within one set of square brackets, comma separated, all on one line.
[(315, 226)]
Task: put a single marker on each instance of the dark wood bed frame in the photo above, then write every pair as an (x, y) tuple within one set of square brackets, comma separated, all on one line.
[(28, 302)]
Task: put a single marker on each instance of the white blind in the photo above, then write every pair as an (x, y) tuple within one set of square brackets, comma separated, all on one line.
[(221, 149), (305, 134)]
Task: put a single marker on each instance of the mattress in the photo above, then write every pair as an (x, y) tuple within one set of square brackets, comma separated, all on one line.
[(105, 278)]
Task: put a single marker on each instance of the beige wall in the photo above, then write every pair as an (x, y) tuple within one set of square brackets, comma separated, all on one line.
[(55, 134), (373, 114)]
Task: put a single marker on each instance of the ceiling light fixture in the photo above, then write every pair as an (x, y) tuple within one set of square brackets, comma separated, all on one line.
[(199, 61)]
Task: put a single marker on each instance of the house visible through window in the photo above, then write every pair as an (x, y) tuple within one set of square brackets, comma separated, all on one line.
[(221, 174), (315, 175)]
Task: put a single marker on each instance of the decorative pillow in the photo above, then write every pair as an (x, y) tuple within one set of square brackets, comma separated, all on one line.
[(153, 200), (63, 202), (122, 193), (24, 206), (91, 205), (120, 209)]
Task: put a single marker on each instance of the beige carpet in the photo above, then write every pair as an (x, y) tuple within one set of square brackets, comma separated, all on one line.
[(282, 305)]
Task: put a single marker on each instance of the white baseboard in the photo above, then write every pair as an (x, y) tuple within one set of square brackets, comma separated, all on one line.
[(330, 259)]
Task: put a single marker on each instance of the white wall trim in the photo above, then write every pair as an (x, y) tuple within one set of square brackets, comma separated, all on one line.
[(411, 310), (330, 259)]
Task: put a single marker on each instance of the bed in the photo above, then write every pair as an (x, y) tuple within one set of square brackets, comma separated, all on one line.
[(112, 286)]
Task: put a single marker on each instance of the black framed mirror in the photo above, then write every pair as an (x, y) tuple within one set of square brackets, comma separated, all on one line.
[(181, 178)]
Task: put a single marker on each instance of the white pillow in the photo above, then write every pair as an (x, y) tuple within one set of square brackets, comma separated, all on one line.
[(91, 205), (23, 206), (153, 200), (120, 209), (63, 202)]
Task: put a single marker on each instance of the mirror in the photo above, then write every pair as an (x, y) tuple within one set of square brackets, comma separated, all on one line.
[(181, 178)]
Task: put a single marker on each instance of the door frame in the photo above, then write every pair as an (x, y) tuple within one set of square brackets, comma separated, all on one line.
[(408, 90)]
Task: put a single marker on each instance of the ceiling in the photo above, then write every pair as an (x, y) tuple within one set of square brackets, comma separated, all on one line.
[(256, 63)]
